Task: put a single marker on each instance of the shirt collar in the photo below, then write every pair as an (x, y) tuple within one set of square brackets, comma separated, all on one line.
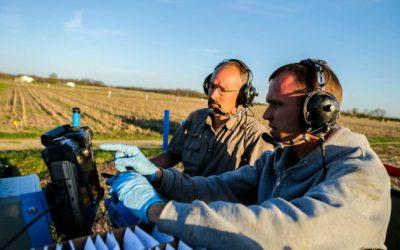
[(232, 122)]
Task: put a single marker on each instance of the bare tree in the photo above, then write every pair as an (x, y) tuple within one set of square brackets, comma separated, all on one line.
[(381, 113)]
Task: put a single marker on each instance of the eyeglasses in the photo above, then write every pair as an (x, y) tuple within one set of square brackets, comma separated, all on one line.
[(221, 90)]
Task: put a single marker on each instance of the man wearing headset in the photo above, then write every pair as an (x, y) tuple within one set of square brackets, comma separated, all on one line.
[(322, 188), (222, 137)]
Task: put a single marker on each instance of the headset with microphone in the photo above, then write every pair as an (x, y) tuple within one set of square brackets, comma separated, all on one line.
[(320, 109), (247, 92)]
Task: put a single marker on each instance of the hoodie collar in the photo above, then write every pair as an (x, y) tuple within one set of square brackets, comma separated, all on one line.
[(338, 138)]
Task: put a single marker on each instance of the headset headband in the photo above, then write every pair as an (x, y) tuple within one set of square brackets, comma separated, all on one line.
[(320, 66), (242, 65)]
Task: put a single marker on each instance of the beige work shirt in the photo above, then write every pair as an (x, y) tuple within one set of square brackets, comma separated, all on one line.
[(205, 151)]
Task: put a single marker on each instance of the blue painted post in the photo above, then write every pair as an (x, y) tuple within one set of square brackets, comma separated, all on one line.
[(165, 130)]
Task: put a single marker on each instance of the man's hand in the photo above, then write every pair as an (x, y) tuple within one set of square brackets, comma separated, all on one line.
[(131, 156), (135, 192)]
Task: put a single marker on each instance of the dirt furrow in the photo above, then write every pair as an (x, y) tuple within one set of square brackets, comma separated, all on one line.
[(14, 101), (34, 114), (92, 103), (7, 106), (61, 111), (23, 107), (68, 104), (35, 103), (44, 105), (99, 101), (13, 115), (73, 101)]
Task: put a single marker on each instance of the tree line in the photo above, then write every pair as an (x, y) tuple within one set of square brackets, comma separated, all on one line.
[(53, 79), (375, 114)]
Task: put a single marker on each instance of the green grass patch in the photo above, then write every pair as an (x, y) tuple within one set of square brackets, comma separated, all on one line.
[(3, 86), (126, 136), (30, 161), (20, 135), (381, 139), (26, 161), (104, 136)]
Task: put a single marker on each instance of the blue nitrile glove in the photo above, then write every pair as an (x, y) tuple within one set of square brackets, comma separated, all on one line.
[(131, 156), (135, 192)]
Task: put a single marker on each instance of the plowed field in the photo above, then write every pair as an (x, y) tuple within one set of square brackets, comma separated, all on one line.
[(110, 112)]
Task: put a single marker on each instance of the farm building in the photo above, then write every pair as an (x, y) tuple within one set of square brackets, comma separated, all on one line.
[(71, 84), (26, 79)]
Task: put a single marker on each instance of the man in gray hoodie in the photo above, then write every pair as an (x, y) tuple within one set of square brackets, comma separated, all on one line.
[(322, 188)]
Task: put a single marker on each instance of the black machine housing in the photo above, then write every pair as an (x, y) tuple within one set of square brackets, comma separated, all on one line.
[(74, 186)]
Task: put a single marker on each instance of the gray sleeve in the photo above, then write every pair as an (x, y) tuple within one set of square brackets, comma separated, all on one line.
[(235, 186), (347, 211)]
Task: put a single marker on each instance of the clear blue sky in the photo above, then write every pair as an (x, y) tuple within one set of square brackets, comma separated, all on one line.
[(176, 43)]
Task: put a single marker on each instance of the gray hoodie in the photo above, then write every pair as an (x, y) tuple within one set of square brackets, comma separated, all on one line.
[(283, 204)]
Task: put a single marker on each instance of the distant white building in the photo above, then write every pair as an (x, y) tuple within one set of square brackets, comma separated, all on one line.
[(26, 79), (71, 84)]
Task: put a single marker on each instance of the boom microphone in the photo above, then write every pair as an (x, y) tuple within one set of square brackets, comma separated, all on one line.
[(281, 143)]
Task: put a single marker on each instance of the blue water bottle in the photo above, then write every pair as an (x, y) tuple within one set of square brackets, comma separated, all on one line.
[(76, 117)]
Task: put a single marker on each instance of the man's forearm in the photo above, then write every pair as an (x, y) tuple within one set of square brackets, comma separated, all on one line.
[(154, 211), (164, 161)]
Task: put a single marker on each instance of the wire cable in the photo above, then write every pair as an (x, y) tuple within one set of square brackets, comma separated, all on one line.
[(102, 214), (10, 241), (323, 151), (245, 159)]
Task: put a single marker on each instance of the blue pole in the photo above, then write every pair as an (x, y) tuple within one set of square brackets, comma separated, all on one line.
[(165, 130)]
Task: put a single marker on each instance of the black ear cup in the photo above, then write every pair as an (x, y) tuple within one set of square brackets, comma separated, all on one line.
[(207, 80), (247, 92), (246, 95), (320, 111)]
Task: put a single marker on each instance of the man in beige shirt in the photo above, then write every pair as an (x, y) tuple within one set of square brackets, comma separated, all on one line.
[(224, 136)]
